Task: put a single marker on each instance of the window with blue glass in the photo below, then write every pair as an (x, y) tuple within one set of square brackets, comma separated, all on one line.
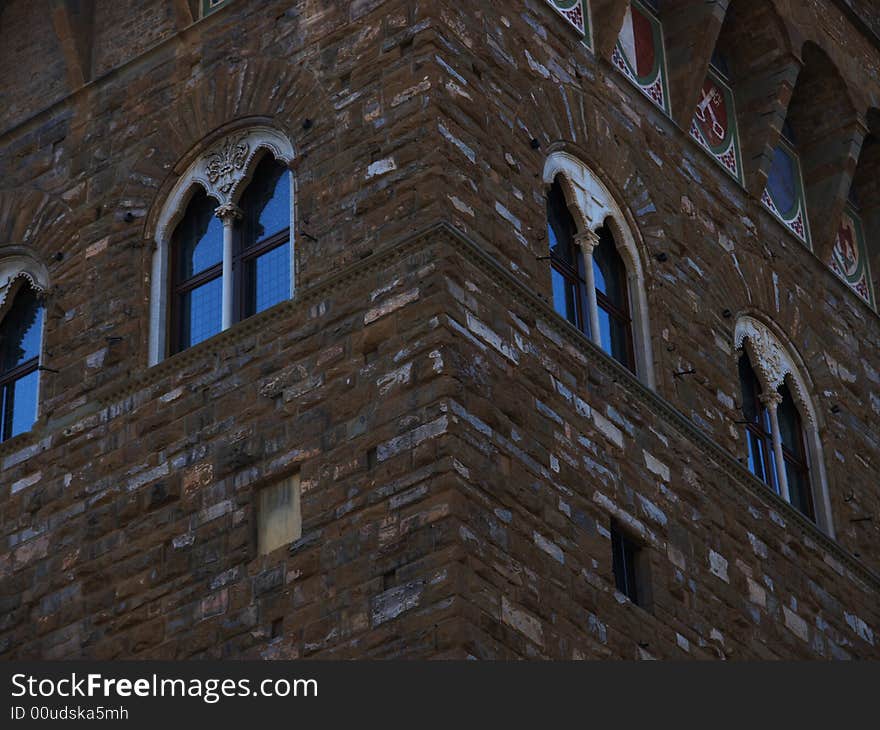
[(612, 301), (761, 440), (578, 289), (20, 335), (260, 257), (263, 250), (566, 262)]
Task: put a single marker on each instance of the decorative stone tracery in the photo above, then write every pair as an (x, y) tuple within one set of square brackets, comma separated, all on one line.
[(223, 171), (772, 362), (16, 264)]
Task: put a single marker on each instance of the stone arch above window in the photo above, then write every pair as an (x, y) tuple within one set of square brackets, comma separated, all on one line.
[(779, 372), (17, 265), (23, 282), (218, 177), (224, 171), (599, 219)]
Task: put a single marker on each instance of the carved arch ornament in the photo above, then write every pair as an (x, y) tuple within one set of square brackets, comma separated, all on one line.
[(16, 264), (772, 362), (224, 170)]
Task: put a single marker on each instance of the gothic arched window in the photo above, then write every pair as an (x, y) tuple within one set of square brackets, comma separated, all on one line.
[(595, 268), (566, 262), (263, 250), (197, 275), (20, 335), (612, 301), (759, 434), (230, 254), (782, 440)]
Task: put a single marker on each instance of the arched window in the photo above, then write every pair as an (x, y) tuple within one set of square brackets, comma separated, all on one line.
[(20, 335), (224, 245), (759, 434), (198, 275), (595, 267), (782, 437), (566, 262), (263, 251), (612, 301)]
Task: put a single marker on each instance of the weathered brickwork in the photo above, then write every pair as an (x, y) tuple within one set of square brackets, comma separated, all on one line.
[(462, 449)]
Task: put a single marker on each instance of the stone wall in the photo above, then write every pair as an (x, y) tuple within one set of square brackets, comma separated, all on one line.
[(462, 450)]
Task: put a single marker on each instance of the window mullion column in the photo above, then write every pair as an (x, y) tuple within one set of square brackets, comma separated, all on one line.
[(771, 402), (586, 243), (228, 213)]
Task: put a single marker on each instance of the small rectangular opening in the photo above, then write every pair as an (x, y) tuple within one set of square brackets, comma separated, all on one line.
[(630, 566), (279, 521)]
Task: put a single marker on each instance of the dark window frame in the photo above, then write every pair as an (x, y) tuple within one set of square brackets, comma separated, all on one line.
[(799, 460), (630, 567), (571, 274), (623, 316), (759, 427), (21, 370)]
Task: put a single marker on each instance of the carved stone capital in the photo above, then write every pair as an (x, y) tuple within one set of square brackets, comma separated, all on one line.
[(228, 213), (587, 240), (770, 400)]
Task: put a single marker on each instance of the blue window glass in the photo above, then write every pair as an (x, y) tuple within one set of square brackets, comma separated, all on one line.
[(612, 298), (264, 249), (271, 278), (202, 307), (567, 268), (20, 334), (198, 285), (759, 437), (782, 181), (201, 234)]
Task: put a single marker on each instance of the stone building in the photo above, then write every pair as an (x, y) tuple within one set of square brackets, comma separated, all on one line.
[(370, 328)]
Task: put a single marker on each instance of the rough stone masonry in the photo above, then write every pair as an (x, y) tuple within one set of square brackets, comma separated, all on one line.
[(461, 448)]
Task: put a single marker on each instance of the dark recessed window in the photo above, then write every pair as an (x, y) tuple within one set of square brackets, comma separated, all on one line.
[(20, 334), (197, 274), (612, 298), (566, 262), (628, 564), (794, 454)]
